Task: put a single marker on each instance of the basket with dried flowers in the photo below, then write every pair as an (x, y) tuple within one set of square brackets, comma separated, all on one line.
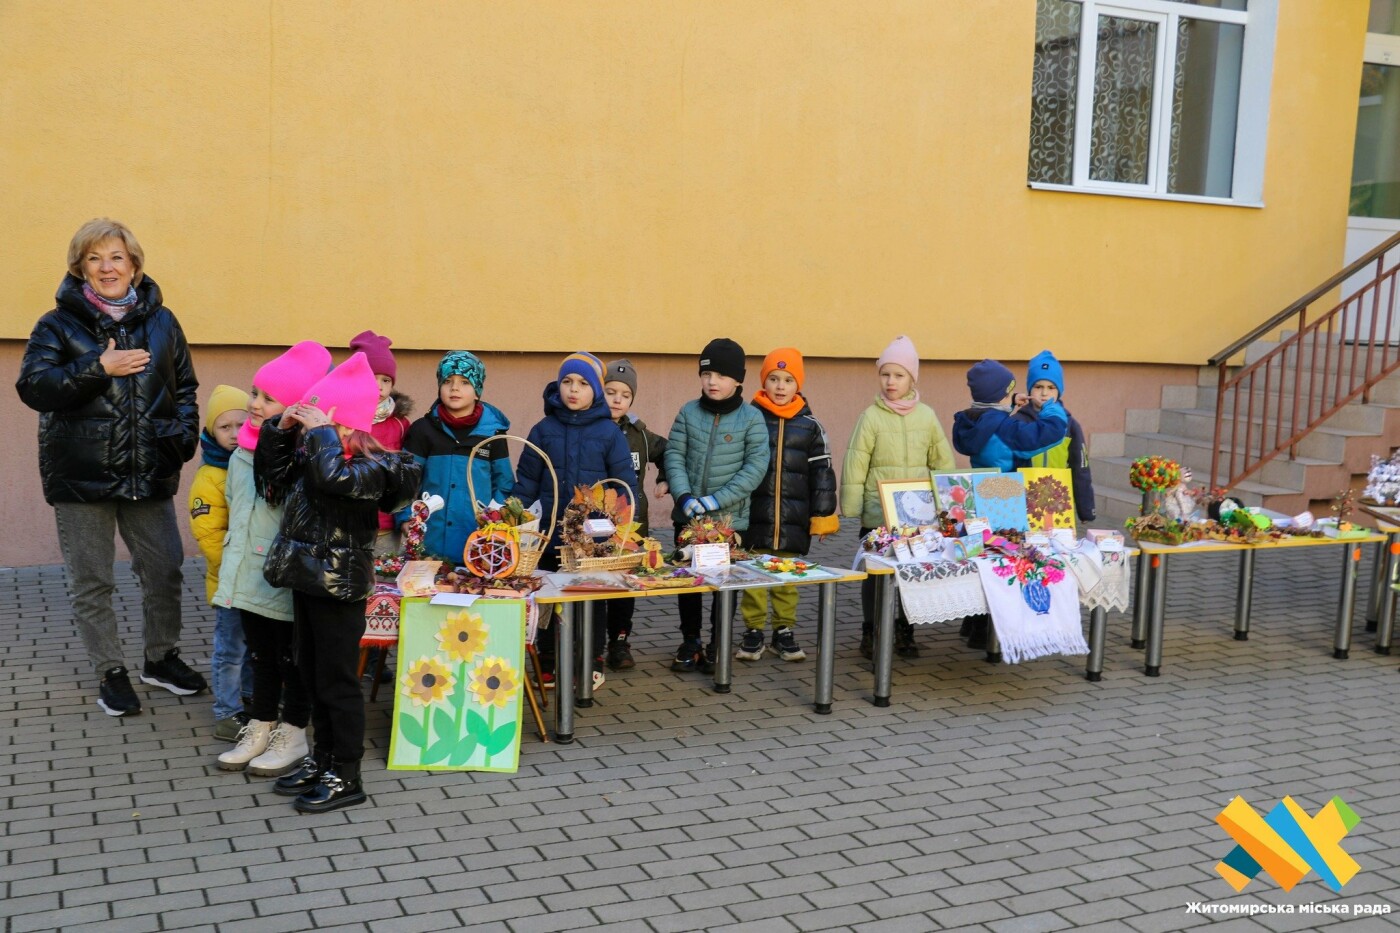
[(619, 549)]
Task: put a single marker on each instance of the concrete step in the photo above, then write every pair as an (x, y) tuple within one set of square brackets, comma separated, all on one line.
[(1200, 422), (1112, 473), (1326, 444), (1385, 392)]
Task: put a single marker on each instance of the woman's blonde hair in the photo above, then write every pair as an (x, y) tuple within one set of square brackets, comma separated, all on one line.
[(94, 232)]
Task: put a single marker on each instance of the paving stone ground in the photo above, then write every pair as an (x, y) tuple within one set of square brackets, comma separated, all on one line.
[(995, 798)]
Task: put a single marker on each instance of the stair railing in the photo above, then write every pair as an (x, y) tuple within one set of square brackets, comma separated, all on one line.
[(1268, 406)]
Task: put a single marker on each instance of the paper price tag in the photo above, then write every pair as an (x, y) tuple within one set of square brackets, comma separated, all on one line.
[(919, 548), (975, 526), (711, 557), (599, 527), (902, 553)]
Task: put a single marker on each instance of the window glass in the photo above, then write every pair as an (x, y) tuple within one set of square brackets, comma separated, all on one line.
[(1385, 17), (1375, 170), (1205, 106), (1124, 75), (1054, 90)]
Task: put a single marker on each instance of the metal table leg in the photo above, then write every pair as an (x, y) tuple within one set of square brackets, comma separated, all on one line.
[(993, 642), (826, 646), (1351, 560), (1378, 582), (1098, 631), (1142, 595), (1385, 626), (1244, 595), (585, 637), (884, 638), (723, 640), (564, 676), (1156, 623)]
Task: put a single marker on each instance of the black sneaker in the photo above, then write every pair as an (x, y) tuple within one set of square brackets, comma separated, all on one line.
[(785, 645), (751, 645), (904, 644), (705, 664), (687, 656), (174, 675), (620, 655), (115, 695)]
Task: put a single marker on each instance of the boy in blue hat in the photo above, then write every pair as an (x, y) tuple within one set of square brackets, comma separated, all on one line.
[(1045, 378), (989, 435)]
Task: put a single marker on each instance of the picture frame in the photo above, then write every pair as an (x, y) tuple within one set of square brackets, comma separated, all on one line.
[(908, 502), (953, 492)]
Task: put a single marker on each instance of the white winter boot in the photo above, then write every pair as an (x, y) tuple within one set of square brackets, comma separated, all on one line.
[(286, 747), (252, 742)]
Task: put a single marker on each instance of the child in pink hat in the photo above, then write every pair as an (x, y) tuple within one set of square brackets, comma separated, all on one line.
[(335, 478), (390, 416)]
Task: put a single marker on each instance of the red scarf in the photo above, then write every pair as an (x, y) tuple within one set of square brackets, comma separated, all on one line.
[(464, 421), (789, 410)]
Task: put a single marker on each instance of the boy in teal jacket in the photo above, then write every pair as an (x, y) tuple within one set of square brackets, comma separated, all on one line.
[(716, 456)]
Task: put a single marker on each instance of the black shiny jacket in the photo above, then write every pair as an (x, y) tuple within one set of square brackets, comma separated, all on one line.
[(330, 511), (799, 485), (101, 437)]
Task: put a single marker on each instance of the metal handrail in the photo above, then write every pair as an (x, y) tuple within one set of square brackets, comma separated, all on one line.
[(1273, 323), (1342, 363)]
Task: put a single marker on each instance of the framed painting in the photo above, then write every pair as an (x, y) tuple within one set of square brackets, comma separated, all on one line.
[(460, 692), (953, 492), (1049, 498), (1001, 500), (908, 502)]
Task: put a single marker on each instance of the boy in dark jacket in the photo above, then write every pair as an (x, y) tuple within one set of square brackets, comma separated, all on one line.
[(579, 437), (989, 435), (620, 388), (795, 500), (1045, 379)]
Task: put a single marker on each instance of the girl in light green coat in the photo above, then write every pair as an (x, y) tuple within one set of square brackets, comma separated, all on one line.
[(898, 437)]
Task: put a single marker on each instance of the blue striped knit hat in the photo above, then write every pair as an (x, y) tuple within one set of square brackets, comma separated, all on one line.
[(586, 365)]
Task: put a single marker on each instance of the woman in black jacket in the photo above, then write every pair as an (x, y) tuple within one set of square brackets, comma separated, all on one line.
[(333, 479), (109, 371)]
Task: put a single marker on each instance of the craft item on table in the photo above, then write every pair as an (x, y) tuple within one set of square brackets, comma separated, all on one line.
[(881, 540), (1038, 539), (670, 578), (791, 568), (976, 526), (419, 513), (458, 700), (492, 551), (1086, 567), (1034, 605), (918, 546), (609, 502), (954, 493), (1159, 529), (652, 558), (908, 501), (964, 548), (1153, 476), (1179, 501), (512, 512), (1100, 536), (1114, 590), (464, 581), (1383, 481), (1001, 500), (1049, 498), (1303, 521), (1063, 537), (382, 614), (903, 553), (419, 577), (580, 583), (940, 591)]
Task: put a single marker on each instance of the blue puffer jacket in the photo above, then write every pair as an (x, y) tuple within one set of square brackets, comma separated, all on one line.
[(990, 437), (443, 455), (584, 446), (725, 456)]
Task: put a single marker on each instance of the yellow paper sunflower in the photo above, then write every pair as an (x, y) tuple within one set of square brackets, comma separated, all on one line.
[(427, 682), (494, 683), (462, 636)]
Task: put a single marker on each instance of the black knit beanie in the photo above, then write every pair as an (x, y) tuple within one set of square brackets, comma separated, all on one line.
[(725, 357)]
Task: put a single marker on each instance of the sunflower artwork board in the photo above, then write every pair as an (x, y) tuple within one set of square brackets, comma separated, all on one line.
[(459, 697), (1049, 499)]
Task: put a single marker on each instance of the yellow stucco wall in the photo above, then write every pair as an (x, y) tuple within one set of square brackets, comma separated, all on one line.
[(549, 175)]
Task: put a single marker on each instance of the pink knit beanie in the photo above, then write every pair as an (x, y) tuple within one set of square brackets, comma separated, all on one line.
[(376, 350), (351, 390), (902, 353), (288, 377)]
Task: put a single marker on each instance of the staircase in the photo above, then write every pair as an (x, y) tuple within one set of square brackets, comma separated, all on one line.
[(1286, 423), (1330, 458)]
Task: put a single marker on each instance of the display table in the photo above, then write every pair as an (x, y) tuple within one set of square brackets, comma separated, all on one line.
[(1152, 591), (1380, 616), (576, 608), (963, 596)]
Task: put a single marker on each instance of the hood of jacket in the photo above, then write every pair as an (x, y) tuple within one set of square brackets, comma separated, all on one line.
[(554, 406), (972, 429)]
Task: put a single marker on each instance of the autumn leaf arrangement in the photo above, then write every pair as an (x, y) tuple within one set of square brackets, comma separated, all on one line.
[(600, 501)]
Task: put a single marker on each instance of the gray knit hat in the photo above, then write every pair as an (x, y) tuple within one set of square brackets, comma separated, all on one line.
[(624, 372)]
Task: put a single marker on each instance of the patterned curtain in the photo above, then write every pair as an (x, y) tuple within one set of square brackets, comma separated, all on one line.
[(1054, 85), (1121, 136)]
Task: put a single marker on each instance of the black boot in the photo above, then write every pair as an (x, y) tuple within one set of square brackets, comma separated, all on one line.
[(340, 787), (304, 778), (867, 643), (904, 645), (977, 638)]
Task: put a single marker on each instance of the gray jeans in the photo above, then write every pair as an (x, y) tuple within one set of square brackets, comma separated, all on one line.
[(85, 535)]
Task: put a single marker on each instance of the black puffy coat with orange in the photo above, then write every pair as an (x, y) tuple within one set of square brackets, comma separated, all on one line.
[(330, 508), (103, 437), (797, 497)]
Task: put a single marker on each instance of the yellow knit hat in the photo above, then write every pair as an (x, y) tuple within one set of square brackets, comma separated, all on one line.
[(222, 399)]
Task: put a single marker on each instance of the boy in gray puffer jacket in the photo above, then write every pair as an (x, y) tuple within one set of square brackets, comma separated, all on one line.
[(716, 457)]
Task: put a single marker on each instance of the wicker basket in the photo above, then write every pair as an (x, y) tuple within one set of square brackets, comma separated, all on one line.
[(532, 543), (625, 560)]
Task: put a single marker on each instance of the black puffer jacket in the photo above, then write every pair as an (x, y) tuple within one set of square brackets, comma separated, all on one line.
[(330, 511), (101, 437), (799, 477)]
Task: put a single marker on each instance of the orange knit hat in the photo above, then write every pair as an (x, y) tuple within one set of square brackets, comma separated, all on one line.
[(787, 359)]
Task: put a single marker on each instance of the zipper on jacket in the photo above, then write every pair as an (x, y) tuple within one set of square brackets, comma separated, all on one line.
[(778, 486), (705, 468), (131, 404)]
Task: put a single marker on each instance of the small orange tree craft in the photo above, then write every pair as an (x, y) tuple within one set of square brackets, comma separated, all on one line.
[(1046, 496)]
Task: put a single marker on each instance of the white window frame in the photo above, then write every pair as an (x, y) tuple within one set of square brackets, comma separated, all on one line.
[(1252, 121)]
